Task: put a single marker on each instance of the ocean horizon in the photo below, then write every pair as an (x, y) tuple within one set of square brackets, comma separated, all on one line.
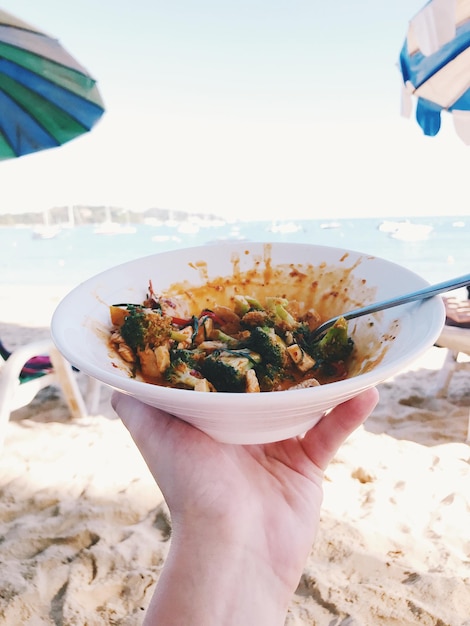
[(435, 247)]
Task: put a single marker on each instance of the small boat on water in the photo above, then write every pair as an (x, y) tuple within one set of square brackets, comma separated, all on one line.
[(412, 232), (330, 225), (405, 230), (389, 226), (284, 227), (46, 232), (114, 228)]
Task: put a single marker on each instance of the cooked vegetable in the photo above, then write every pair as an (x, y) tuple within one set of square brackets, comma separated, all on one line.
[(248, 347), (227, 369), (244, 304), (228, 340), (335, 345), (270, 346), (180, 374), (302, 360), (145, 327), (280, 316)]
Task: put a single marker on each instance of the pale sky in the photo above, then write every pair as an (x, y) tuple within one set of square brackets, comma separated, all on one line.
[(247, 109)]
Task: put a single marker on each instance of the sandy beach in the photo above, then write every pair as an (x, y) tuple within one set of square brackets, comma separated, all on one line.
[(85, 532)]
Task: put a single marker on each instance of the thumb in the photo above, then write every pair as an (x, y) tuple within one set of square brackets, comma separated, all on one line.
[(323, 440)]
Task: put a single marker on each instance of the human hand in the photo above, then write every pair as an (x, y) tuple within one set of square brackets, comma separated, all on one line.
[(254, 509)]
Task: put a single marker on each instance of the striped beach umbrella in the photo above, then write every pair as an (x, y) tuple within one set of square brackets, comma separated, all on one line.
[(435, 66), (46, 97)]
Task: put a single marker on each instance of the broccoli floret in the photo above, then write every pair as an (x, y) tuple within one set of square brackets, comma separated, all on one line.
[(145, 327), (181, 374), (335, 345), (275, 358), (190, 357), (270, 376), (301, 334), (226, 369), (269, 345)]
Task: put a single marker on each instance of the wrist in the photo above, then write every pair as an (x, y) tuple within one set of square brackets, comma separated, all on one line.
[(218, 575)]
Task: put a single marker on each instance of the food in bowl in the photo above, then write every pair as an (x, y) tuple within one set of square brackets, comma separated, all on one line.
[(250, 346)]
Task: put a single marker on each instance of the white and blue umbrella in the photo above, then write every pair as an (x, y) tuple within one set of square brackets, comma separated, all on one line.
[(435, 66)]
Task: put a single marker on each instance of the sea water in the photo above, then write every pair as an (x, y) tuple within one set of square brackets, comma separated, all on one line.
[(436, 248)]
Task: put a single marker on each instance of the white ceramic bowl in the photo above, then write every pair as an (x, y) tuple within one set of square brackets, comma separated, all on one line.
[(331, 279)]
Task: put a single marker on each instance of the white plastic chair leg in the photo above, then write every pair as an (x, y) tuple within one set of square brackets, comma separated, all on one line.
[(445, 373), (93, 393), (68, 383)]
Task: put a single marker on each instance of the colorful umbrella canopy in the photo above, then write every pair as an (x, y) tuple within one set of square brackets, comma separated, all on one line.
[(46, 97), (435, 66)]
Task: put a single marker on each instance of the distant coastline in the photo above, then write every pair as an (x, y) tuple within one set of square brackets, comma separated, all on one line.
[(81, 215), (90, 215)]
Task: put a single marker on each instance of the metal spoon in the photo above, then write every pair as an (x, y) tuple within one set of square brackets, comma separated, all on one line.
[(421, 294)]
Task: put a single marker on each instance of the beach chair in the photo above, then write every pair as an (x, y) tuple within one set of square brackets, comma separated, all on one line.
[(30, 368), (455, 336)]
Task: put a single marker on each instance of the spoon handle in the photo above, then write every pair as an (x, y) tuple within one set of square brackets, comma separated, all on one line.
[(421, 294)]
